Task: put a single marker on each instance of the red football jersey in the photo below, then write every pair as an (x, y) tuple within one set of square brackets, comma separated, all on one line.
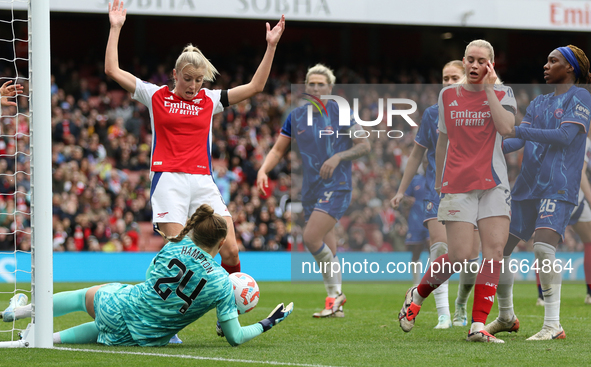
[(474, 159), (181, 140)]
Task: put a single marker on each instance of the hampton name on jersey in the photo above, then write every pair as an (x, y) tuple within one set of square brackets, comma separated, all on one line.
[(316, 149), (427, 138), (549, 171), (183, 284), (474, 159), (181, 140)]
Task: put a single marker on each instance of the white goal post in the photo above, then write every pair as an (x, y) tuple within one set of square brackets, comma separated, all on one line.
[(39, 333)]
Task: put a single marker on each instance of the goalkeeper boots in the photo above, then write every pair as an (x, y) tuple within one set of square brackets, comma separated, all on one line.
[(333, 307), (18, 300)]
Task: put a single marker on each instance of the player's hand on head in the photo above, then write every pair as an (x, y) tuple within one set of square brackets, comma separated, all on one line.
[(276, 316), (395, 202), (9, 91), (117, 13), (491, 76), (273, 35)]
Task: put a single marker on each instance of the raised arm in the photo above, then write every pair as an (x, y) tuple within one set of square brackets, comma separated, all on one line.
[(440, 152), (412, 165), (271, 160), (259, 79), (117, 18)]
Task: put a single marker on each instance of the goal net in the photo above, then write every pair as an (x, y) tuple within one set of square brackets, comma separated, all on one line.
[(26, 260)]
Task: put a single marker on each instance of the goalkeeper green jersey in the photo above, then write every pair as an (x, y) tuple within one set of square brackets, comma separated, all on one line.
[(182, 284)]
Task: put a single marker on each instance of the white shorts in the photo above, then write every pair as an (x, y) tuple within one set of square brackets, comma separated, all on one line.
[(175, 196), (475, 205), (585, 214)]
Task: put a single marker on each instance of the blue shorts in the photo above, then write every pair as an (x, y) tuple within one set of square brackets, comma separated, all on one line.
[(417, 232), (527, 216), (431, 209), (334, 203)]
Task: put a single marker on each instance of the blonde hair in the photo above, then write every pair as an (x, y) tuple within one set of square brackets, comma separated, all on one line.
[(191, 55), (491, 56), (322, 70), (457, 64), (205, 228)]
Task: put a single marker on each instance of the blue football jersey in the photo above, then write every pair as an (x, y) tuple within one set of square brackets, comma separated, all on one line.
[(549, 171), (427, 138), (316, 144), (417, 190)]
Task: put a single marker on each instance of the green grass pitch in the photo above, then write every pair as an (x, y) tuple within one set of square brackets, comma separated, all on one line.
[(369, 335)]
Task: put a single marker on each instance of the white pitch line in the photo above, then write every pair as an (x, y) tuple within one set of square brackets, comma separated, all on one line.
[(275, 363)]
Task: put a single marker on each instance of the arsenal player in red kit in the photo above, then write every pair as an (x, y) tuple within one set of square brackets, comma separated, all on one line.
[(181, 171), (472, 178)]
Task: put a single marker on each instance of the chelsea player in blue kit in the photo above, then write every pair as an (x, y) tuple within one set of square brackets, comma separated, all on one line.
[(184, 283), (426, 140), (326, 189), (553, 134)]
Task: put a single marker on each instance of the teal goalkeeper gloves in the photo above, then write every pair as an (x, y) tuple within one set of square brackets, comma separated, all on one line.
[(276, 316)]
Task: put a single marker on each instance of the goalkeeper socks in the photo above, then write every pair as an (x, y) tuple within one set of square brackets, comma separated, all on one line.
[(467, 280), (81, 334), (485, 289), (550, 281), (587, 266), (441, 293), (540, 294), (67, 302), (505, 292), (231, 268), (324, 257), (439, 271)]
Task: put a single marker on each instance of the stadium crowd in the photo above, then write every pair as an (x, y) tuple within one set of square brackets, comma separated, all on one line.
[(101, 159)]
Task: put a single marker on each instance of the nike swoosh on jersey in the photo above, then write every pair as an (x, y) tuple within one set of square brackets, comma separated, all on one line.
[(546, 216)]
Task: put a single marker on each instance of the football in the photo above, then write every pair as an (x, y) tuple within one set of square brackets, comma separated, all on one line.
[(246, 292)]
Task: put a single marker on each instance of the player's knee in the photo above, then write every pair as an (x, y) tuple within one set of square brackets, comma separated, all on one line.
[(310, 239)]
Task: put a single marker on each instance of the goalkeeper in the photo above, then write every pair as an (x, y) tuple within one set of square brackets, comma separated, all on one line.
[(184, 283)]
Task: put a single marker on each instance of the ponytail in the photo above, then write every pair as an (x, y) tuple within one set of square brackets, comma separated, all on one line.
[(205, 228), (191, 55)]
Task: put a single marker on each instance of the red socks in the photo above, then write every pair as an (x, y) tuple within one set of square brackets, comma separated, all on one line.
[(231, 268), (439, 271), (587, 266), (485, 289)]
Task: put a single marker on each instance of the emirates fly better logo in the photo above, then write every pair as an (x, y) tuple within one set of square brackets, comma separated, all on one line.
[(346, 115)]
